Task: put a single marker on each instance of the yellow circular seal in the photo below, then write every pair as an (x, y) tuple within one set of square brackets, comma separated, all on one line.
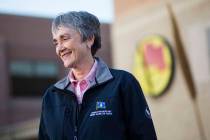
[(154, 64)]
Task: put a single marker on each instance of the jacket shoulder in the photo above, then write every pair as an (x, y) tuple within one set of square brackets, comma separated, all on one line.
[(122, 74), (48, 91), (52, 97)]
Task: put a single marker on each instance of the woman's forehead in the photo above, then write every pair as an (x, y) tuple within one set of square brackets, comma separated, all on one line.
[(60, 30)]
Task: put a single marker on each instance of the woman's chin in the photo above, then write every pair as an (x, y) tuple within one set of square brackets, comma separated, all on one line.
[(67, 65)]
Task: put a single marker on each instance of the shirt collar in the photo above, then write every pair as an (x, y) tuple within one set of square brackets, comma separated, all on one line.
[(102, 71)]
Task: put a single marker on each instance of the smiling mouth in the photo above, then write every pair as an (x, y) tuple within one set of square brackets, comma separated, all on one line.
[(66, 54)]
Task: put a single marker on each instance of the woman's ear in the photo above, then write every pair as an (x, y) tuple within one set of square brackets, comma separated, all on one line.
[(90, 41)]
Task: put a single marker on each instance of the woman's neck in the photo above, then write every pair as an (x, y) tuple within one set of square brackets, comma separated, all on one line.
[(83, 69)]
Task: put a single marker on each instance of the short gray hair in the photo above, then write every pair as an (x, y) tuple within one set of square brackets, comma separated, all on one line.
[(85, 23)]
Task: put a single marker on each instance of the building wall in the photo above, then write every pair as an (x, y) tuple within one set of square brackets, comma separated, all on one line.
[(176, 115), (4, 97), (124, 7), (30, 38)]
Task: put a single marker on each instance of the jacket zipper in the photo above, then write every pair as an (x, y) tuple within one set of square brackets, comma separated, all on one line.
[(78, 108)]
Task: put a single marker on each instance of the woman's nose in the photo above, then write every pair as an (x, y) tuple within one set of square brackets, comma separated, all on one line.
[(60, 47)]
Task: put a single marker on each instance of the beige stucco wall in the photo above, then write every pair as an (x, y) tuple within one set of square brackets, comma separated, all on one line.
[(175, 115)]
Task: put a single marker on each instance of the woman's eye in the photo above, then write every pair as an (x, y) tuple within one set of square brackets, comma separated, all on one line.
[(55, 44), (65, 38)]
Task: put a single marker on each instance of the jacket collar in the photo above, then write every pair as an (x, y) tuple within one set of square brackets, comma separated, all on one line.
[(103, 74)]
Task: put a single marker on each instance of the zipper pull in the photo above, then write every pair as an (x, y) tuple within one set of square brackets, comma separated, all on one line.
[(75, 129)]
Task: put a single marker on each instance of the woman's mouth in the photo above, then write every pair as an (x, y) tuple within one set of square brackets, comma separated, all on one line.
[(65, 55)]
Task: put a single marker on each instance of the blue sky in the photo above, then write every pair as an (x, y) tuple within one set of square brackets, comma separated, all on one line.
[(103, 9)]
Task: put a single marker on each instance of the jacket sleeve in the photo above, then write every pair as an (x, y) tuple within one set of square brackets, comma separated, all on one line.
[(42, 130), (137, 115)]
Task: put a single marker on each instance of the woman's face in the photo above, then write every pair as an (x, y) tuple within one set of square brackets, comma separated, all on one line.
[(70, 47)]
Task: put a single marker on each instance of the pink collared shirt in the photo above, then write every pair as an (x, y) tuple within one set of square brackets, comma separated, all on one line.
[(81, 86)]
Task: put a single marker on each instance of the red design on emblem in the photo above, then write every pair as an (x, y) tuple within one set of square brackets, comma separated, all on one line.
[(154, 56)]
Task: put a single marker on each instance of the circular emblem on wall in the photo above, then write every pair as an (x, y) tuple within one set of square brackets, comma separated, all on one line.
[(154, 65)]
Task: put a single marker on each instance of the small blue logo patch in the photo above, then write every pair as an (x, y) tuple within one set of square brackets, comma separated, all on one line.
[(100, 105)]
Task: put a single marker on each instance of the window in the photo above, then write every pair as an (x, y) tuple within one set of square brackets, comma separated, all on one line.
[(29, 78)]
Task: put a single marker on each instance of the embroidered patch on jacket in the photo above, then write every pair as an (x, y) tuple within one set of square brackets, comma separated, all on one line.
[(101, 113), (101, 110), (147, 113), (100, 105)]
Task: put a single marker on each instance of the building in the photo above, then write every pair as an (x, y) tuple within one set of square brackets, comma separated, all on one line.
[(181, 113)]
